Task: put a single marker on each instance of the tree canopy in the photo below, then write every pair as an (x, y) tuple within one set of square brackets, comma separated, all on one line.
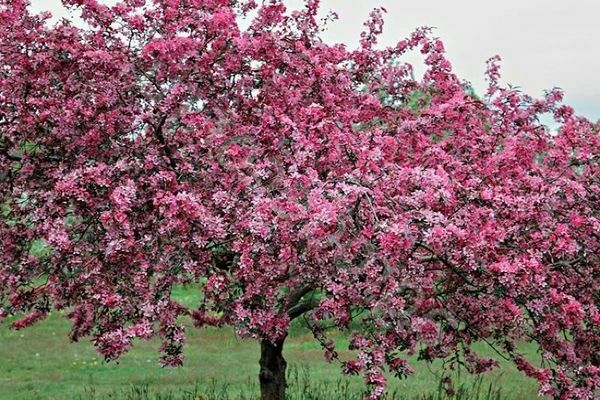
[(163, 143)]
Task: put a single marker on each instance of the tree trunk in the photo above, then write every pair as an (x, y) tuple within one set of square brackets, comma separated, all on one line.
[(272, 371)]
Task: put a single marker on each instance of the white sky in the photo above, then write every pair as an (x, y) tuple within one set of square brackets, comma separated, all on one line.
[(543, 43)]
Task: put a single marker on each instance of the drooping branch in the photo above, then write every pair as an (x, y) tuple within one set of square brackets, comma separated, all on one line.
[(446, 262)]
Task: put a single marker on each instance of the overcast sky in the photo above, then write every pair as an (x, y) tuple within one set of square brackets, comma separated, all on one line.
[(543, 43)]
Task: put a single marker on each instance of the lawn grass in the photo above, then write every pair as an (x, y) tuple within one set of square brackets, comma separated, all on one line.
[(41, 363)]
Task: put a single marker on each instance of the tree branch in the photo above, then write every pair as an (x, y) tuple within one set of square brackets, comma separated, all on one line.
[(158, 130), (297, 295), (443, 260), (301, 308)]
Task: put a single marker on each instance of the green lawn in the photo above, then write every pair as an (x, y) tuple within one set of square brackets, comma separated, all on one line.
[(41, 363)]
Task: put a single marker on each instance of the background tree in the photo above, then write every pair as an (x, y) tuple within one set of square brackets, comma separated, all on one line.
[(161, 144)]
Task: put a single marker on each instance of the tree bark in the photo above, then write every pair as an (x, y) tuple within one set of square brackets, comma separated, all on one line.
[(272, 371)]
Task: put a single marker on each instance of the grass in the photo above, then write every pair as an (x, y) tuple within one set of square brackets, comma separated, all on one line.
[(41, 363), (301, 387)]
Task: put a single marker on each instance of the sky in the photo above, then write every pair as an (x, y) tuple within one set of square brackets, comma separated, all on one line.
[(543, 43)]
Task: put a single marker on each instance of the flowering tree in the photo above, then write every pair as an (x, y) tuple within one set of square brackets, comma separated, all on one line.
[(161, 144)]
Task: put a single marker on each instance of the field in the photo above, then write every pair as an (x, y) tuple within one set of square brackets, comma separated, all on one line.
[(41, 363)]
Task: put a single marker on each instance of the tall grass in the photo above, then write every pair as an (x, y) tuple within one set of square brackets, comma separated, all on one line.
[(301, 386)]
